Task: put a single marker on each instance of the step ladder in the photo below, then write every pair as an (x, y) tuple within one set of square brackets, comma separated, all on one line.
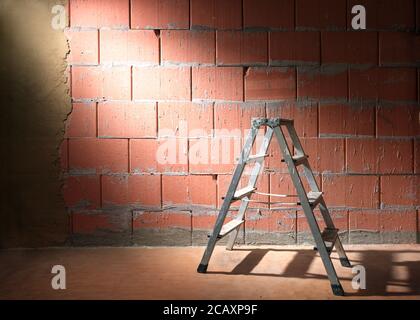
[(325, 241)]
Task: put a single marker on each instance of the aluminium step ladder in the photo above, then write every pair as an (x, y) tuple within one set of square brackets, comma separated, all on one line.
[(325, 241)]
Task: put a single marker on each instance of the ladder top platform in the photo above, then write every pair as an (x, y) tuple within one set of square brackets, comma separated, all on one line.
[(271, 122)]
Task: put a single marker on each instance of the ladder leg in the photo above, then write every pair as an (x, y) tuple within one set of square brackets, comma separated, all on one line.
[(202, 267), (256, 170)]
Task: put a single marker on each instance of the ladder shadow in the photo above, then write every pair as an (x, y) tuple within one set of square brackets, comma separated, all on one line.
[(380, 270)]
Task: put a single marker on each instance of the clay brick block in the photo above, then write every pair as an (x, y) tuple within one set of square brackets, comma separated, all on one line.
[(101, 83), (270, 84), (379, 156), (143, 155), (325, 155), (294, 48), (320, 14), (241, 48), (127, 120), (383, 221), (99, 13), (272, 222), (161, 83), (349, 47), (81, 123), (90, 155), (340, 219), (389, 84), (216, 14), (223, 183), (234, 119), (188, 46), (399, 191), (346, 120), (305, 116), (322, 83), (82, 192), (399, 49), (83, 46), (387, 15), (129, 46), (160, 14), (135, 190), (212, 83), (172, 155), (185, 119), (188, 191), (213, 155), (269, 14), (101, 224), (351, 191), (397, 120), (161, 220)]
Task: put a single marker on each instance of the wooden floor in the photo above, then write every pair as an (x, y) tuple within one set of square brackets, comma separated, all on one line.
[(392, 272)]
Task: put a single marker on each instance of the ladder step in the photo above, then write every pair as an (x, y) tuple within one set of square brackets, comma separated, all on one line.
[(256, 157), (229, 227), (330, 237), (244, 192), (313, 197), (298, 160)]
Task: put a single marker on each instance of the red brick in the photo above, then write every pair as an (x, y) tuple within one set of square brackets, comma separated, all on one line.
[(325, 155), (129, 46), (397, 120), (162, 220), (270, 84), (64, 157), (172, 155), (346, 120), (212, 83), (322, 83), (161, 83), (340, 219), (213, 155), (188, 46), (392, 84), (417, 156), (143, 155), (127, 120), (81, 123), (399, 48), (241, 48), (135, 190), (160, 14), (294, 48), (98, 155), (400, 191), (350, 47), (271, 221), (223, 183), (385, 15), (234, 119), (383, 220), (101, 83), (305, 116), (83, 46), (97, 222), (379, 156), (82, 192), (189, 190), (351, 191), (216, 14), (320, 14), (273, 14), (99, 13), (185, 119), (206, 220)]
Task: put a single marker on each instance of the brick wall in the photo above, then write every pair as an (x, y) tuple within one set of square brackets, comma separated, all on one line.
[(146, 74)]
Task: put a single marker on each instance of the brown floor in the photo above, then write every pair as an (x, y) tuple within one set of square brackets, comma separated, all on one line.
[(392, 271)]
